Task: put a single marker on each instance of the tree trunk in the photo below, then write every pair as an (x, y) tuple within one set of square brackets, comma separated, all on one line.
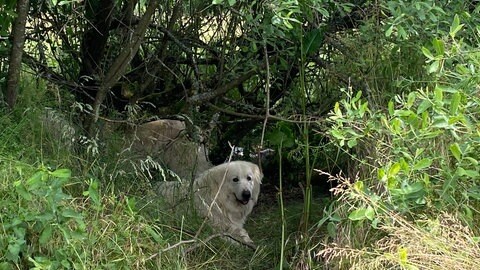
[(99, 14), (117, 69), (15, 65)]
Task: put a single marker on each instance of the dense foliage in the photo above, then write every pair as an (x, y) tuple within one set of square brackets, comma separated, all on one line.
[(385, 92)]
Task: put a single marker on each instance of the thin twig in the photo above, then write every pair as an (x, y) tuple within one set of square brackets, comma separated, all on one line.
[(183, 242), (315, 119), (199, 242), (267, 104), (215, 236)]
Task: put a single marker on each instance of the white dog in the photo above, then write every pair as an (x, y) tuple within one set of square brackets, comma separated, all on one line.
[(226, 195)]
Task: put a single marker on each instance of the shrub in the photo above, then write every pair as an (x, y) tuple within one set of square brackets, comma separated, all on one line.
[(416, 158)]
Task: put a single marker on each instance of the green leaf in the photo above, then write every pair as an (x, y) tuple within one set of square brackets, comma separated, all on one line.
[(454, 103), (70, 213), (439, 46), (61, 173), (46, 234), (382, 176), (402, 32), (427, 53), (359, 186), (337, 134), (6, 266), (403, 256), (22, 191), (456, 26), (357, 97), (394, 170), (352, 143), (474, 192), (456, 151), (232, 2), (422, 164), (93, 193), (440, 121), (337, 110), (282, 135), (36, 180), (45, 217), (389, 31), (358, 214), (424, 105), (421, 201), (370, 213), (414, 188), (131, 204), (434, 66), (312, 41), (153, 234), (438, 93), (472, 161), (470, 173), (411, 99), (217, 2), (403, 113), (391, 108), (332, 229), (13, 250)]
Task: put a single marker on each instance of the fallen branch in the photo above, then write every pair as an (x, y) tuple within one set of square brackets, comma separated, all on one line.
[(199, 243)]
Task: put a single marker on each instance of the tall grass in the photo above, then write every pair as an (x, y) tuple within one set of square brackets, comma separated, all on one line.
[(56, 217), (442, 242), (76, 204)]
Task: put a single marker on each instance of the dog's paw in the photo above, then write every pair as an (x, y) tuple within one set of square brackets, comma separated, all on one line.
[(248, 242), (251, 245)]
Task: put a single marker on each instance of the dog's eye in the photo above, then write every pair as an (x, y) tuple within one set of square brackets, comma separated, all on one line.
[(249, 178), (235, 179)]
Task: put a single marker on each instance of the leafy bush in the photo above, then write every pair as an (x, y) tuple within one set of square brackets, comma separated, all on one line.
[(43, 214), (417, 157), (43, 227)]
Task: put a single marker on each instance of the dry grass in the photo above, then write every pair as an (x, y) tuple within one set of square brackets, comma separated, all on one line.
[(426, 243), (436, 244)]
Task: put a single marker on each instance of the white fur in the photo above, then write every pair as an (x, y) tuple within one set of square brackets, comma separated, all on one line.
[(218, 196)]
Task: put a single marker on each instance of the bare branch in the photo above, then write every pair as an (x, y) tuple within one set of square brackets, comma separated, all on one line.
[(206, 96), (118, 67)]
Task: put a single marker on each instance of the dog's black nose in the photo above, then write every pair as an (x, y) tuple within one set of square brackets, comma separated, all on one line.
[(246, 195)]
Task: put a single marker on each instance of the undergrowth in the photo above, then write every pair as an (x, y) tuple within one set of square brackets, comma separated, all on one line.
[(412, 200), (67, 208)]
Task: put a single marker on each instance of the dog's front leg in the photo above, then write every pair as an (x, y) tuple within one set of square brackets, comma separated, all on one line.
[(242, 234)]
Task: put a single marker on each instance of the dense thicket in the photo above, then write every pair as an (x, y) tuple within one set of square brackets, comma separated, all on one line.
[(408, 137), (198, 58)]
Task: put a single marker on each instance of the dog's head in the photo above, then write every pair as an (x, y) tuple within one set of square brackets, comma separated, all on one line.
[(242, 179)]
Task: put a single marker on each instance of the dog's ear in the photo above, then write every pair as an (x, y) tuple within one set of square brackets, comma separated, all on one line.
[(257, 174), (257, 178), (217, 174)]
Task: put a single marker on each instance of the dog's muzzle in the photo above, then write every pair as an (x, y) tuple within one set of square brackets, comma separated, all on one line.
[(245, 198)]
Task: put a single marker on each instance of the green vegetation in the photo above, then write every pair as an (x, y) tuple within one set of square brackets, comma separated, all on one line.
[(380, 97)]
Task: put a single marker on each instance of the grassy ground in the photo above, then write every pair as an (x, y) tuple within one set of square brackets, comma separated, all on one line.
[(61, 209), (264, 227)]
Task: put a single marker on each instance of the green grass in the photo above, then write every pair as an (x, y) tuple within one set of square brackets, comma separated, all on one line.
[(263, 226), (62, 209)]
